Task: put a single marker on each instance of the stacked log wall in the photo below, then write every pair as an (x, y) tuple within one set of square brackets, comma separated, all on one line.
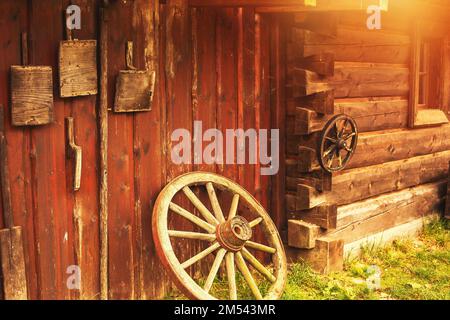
[(397, 174)]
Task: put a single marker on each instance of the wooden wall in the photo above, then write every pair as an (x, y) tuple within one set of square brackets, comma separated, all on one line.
[(214, 65), (393, 167)]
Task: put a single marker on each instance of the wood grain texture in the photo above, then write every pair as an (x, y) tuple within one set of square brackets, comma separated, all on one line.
[(361, 183), (78, 68), (134, 91), (361, 219), (372, 114), (353, 80), (13, 264), (31, 95), (352, 44), (302, 235)]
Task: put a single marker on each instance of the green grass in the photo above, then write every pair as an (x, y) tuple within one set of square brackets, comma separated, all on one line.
[(417, 269), (411, 269)]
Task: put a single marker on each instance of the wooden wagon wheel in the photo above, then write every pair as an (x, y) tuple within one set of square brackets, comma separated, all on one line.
[(228, 236), (337, 143)]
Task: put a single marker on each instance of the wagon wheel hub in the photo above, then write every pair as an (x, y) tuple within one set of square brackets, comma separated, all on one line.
[(233, 234)]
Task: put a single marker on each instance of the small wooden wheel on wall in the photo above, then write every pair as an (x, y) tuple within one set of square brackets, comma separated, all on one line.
[(229, 237), (337, 143)]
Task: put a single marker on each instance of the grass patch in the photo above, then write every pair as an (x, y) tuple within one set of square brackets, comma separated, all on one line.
[(410, 269)]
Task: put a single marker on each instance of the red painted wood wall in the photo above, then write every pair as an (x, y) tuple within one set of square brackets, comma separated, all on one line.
[(222, 66)]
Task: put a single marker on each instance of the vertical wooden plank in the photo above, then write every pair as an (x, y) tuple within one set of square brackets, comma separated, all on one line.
[(120, 163), (278, 106), (226, 55), (178, 69), (48, 163), (84, 203), (265, 113), (204, 101), (13, 17), (149, 156), (248, 92)]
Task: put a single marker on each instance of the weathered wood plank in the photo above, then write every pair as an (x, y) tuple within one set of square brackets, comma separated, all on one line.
[(278, 107), (370, 115), (121, 197), (360, 219), (352, 45), (325, 216), (18, 140), (52, 223), (379, 147), (149, 167), (302, 235), (84, 204), (354, 80), (361, 183), (326, 257), (31, 95)]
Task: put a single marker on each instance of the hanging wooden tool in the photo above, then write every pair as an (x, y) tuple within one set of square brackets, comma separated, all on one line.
[(11, 243), (31, 92), (75, 152), (77, 67), (134, 88)]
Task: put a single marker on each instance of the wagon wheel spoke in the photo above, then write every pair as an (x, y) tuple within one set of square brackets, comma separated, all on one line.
[(260, 247), (200, 206), (215, 202), (336, 130), (258, 265), (214, 269), (234, 207), (255, 222), (200, 256), (331, 140), (348, 149), (330, 160), (242, 266), (346, 122), (194, 219), (192, 235), (339, 157), (329, 151), (231, 275), (350, 135)]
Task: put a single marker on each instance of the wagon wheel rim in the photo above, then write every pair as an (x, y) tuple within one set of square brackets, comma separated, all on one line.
[(337, 143), (229, 237)]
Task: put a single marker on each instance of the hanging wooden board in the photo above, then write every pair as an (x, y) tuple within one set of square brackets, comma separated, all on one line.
[(134, 88), (78, 68), (133, 91), (31, 95)]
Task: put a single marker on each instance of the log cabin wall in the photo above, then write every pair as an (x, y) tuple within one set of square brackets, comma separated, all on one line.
[(396, 176), (213, 65)]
